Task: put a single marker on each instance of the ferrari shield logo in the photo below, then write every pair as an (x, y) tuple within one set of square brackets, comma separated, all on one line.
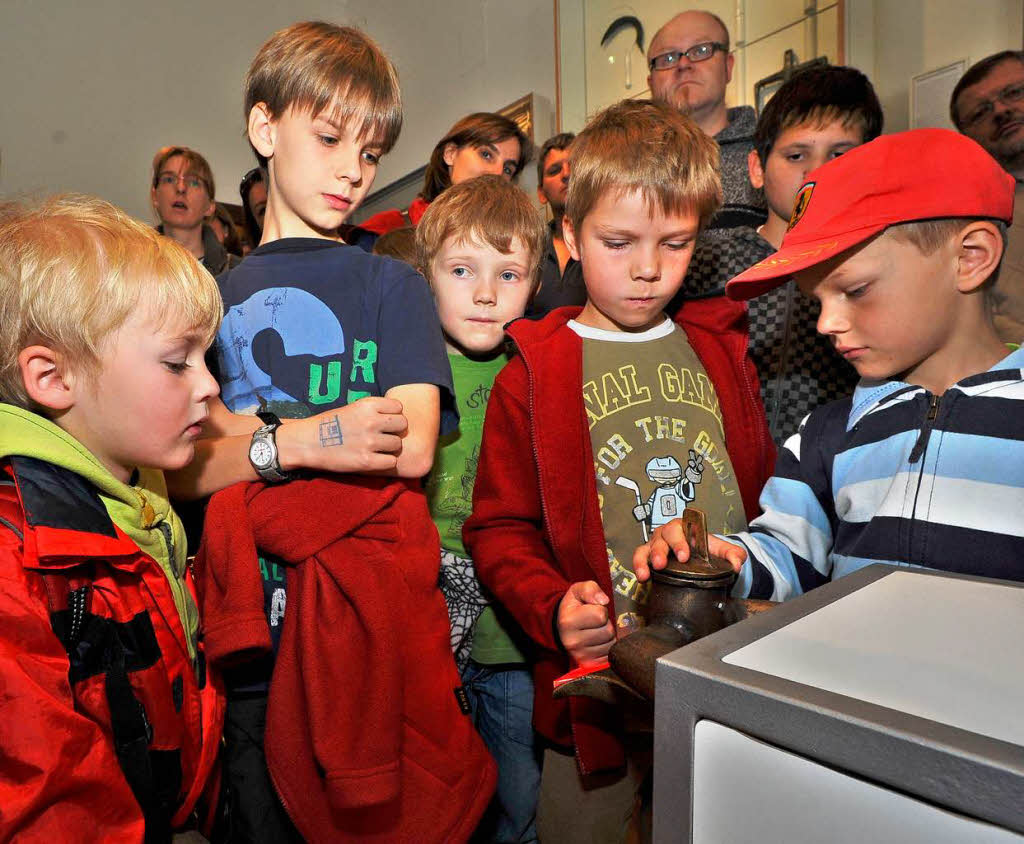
[(803, 199)]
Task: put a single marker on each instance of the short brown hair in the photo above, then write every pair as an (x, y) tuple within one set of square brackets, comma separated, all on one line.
[(928, 235), (650, 148), (399, 244), (975, 74), (487, 209), (314, 65), (195, 164), (474, 130), (818, 96), (561, 141), (74, 268)]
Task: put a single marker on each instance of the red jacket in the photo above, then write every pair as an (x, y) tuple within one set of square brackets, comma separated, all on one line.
[(364, 737), (536, 525), (391, 219), (65, 566)]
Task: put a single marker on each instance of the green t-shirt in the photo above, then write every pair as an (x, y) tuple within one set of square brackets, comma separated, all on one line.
[(659, 446), (449, 490)]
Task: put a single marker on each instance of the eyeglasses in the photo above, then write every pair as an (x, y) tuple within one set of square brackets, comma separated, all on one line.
[(696, 53), (168, 179), (1008, 96)]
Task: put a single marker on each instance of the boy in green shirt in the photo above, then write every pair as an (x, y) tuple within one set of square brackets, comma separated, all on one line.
[(479, 246)]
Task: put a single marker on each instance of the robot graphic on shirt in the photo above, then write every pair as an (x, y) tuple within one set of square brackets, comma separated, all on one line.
[(675, 489)]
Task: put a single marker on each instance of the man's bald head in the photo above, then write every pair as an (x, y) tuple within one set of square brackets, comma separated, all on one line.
[(694, 88), (686, 19)]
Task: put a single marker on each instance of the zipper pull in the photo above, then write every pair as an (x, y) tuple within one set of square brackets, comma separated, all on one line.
[(926, 430)]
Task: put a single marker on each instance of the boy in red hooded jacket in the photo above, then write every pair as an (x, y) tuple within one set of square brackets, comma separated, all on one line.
[(608, 423)]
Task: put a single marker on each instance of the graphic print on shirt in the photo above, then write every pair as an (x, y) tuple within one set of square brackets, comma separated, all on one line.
[(673, 491), (297, 362), (274, 595), (658, 442), (457, 504)]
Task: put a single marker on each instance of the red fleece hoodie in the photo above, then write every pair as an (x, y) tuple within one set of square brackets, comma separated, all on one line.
[(536, 525), (391, 219), (364, 739)]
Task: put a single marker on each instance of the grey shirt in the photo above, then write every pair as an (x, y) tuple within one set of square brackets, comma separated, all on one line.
[(744, 205)]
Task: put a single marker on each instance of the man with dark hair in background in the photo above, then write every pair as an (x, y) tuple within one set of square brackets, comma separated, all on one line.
[(988, 106), (561, 279)]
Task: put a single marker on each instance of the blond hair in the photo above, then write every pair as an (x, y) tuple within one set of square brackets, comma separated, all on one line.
[(313, 66), (639, 145), (72, 271), (487, 210)]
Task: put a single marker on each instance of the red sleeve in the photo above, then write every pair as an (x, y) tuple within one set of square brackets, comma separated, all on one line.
[(505, 533), (61, 778), (385, 221)]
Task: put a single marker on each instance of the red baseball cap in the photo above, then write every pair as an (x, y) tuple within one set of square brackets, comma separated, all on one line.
[(923, 174)]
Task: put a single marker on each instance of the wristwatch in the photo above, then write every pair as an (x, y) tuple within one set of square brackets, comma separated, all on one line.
[(263, 449)]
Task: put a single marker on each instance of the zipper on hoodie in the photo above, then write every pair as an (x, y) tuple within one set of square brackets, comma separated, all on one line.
[(543, 506), (917, 455), (917, 452), (165, 531), (168, 536), (533, 439)]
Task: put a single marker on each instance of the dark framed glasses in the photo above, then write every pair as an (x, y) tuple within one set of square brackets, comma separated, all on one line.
[(697, 53)]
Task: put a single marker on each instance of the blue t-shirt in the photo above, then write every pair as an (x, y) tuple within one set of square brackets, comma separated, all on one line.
[(310, 325)]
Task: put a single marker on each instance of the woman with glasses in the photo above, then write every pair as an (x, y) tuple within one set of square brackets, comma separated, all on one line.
[(479, 144), (182, 195)]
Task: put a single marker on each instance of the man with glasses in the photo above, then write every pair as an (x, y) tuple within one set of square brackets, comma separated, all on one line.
[(690, 67), (988, 106)]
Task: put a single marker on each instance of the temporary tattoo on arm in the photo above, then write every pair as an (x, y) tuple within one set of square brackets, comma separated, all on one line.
[(330, 433)]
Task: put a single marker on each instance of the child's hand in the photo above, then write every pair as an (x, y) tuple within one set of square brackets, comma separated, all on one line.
[(672, 535), (364, 436), (584, 626)]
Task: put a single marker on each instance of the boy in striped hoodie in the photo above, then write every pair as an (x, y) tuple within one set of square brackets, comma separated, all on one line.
[(899, 240)]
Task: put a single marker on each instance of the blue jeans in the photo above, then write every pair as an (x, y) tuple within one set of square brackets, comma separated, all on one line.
[(501, 699)]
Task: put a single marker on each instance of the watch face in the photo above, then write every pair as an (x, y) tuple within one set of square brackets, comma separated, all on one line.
[(261, 453)]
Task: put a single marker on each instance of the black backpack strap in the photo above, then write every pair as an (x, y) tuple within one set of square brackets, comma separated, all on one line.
[(154, 785)]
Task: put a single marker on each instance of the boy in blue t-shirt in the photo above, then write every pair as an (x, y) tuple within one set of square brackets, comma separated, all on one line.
[(344, 343), (479, 245)]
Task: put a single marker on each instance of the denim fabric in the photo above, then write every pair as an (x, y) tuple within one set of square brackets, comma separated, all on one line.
[(501, 699)]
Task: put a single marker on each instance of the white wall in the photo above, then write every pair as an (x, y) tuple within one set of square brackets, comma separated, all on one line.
[(760, 32), (890, 40), (893, 40), (89, 91)]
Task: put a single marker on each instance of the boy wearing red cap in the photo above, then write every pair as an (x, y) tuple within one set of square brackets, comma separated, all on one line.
[(899, 240)]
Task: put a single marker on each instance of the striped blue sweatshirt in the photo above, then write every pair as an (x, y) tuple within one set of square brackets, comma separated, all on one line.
[(896, 475)]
